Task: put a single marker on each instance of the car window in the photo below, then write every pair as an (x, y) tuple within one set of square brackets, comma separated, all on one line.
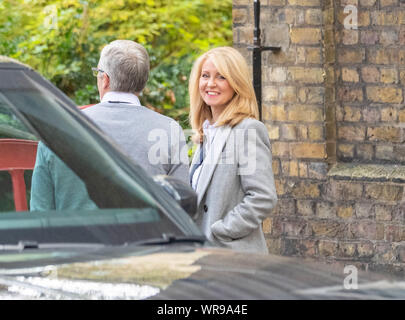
[(11, 128), (107, 184), (81, 222)]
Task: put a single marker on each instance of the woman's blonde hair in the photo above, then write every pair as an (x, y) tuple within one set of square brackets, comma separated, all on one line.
[(231, 65)]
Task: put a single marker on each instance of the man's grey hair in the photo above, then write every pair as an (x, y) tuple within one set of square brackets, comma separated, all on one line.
[(127, 65)]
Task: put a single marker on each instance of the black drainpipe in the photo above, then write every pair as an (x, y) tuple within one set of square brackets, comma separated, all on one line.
[(257, 56)]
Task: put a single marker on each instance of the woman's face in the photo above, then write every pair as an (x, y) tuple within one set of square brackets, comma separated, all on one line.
[(214, 88)]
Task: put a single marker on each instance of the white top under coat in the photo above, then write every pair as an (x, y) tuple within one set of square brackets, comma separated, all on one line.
[(209, 131)]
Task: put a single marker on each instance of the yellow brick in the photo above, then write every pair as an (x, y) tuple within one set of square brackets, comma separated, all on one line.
[(288, 132), (288, 94), (370, 74), (274, 132), (347, 249), (313, 55), (327, 248), (351, 114), (305, 113), (284, 56), (289, 15), (350, 75), (308, 150), (267, 224), (315, 132), (389, 75), (313, 16), (367, 3), (388, 134), (276, 113), (276, 167), (309, 3), (352, 133), (303, 170), (401, 58), (239, 15), (293, 168), (302, 132), (383, 192), (301, 55), (285, 167), (270, 93), (350, 37), (245, 34), (351, 55), (389, 114), (364, 19), (380, 56), (305, 189), (350, 94), (387, 18), (365, 249), (387, 3), (402, 17), (345, 212), (277, 2), (346, 150), (241, 2), (384, 94), (313, 95), (306, 35), (349, 2), (306, 75), (402, 116), (279, 187), (277, 74), (280, 149)]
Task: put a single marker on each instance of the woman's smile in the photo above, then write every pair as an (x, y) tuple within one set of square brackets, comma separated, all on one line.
[(214, 88)]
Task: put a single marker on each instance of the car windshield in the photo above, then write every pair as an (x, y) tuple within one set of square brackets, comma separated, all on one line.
[(126, 204)]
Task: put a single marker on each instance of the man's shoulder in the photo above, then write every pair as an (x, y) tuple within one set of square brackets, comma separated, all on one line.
[(138, 109), (140, 118), (158, 119)]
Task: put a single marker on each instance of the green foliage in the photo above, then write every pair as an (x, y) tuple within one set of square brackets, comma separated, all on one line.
[(6, 195), (63, 40)]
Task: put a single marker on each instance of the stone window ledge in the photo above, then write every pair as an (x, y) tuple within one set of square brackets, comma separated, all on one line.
[(368, 172)]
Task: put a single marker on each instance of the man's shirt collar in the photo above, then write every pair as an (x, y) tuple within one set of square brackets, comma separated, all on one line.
[(120, 97)]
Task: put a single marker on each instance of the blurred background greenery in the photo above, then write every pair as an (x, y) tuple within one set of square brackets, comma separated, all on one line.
[(62, 40)]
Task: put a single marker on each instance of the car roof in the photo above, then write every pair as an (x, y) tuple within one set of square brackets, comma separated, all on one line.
[(10, 63)]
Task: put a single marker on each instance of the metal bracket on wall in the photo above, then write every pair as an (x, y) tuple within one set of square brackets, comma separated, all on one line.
[(257, 56)]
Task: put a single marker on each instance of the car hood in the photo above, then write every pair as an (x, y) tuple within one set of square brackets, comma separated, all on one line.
[(187, 272)]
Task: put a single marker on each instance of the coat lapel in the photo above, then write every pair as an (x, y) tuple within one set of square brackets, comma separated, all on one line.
[(211, 160)]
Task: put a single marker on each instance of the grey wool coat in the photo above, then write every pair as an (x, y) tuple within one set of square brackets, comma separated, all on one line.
[(235, 189)]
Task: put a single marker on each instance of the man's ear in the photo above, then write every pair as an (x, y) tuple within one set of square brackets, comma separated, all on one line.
[(106, 81)]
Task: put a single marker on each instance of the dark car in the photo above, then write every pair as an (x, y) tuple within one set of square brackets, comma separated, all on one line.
[(140, 243)]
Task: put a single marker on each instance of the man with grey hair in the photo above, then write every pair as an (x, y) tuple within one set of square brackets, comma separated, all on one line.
[(153, 141)]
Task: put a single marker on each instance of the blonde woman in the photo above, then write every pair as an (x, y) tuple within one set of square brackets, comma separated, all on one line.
[(231, 169)]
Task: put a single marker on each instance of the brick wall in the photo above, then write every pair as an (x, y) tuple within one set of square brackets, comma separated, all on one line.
[(370, 74), (333, 105)]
